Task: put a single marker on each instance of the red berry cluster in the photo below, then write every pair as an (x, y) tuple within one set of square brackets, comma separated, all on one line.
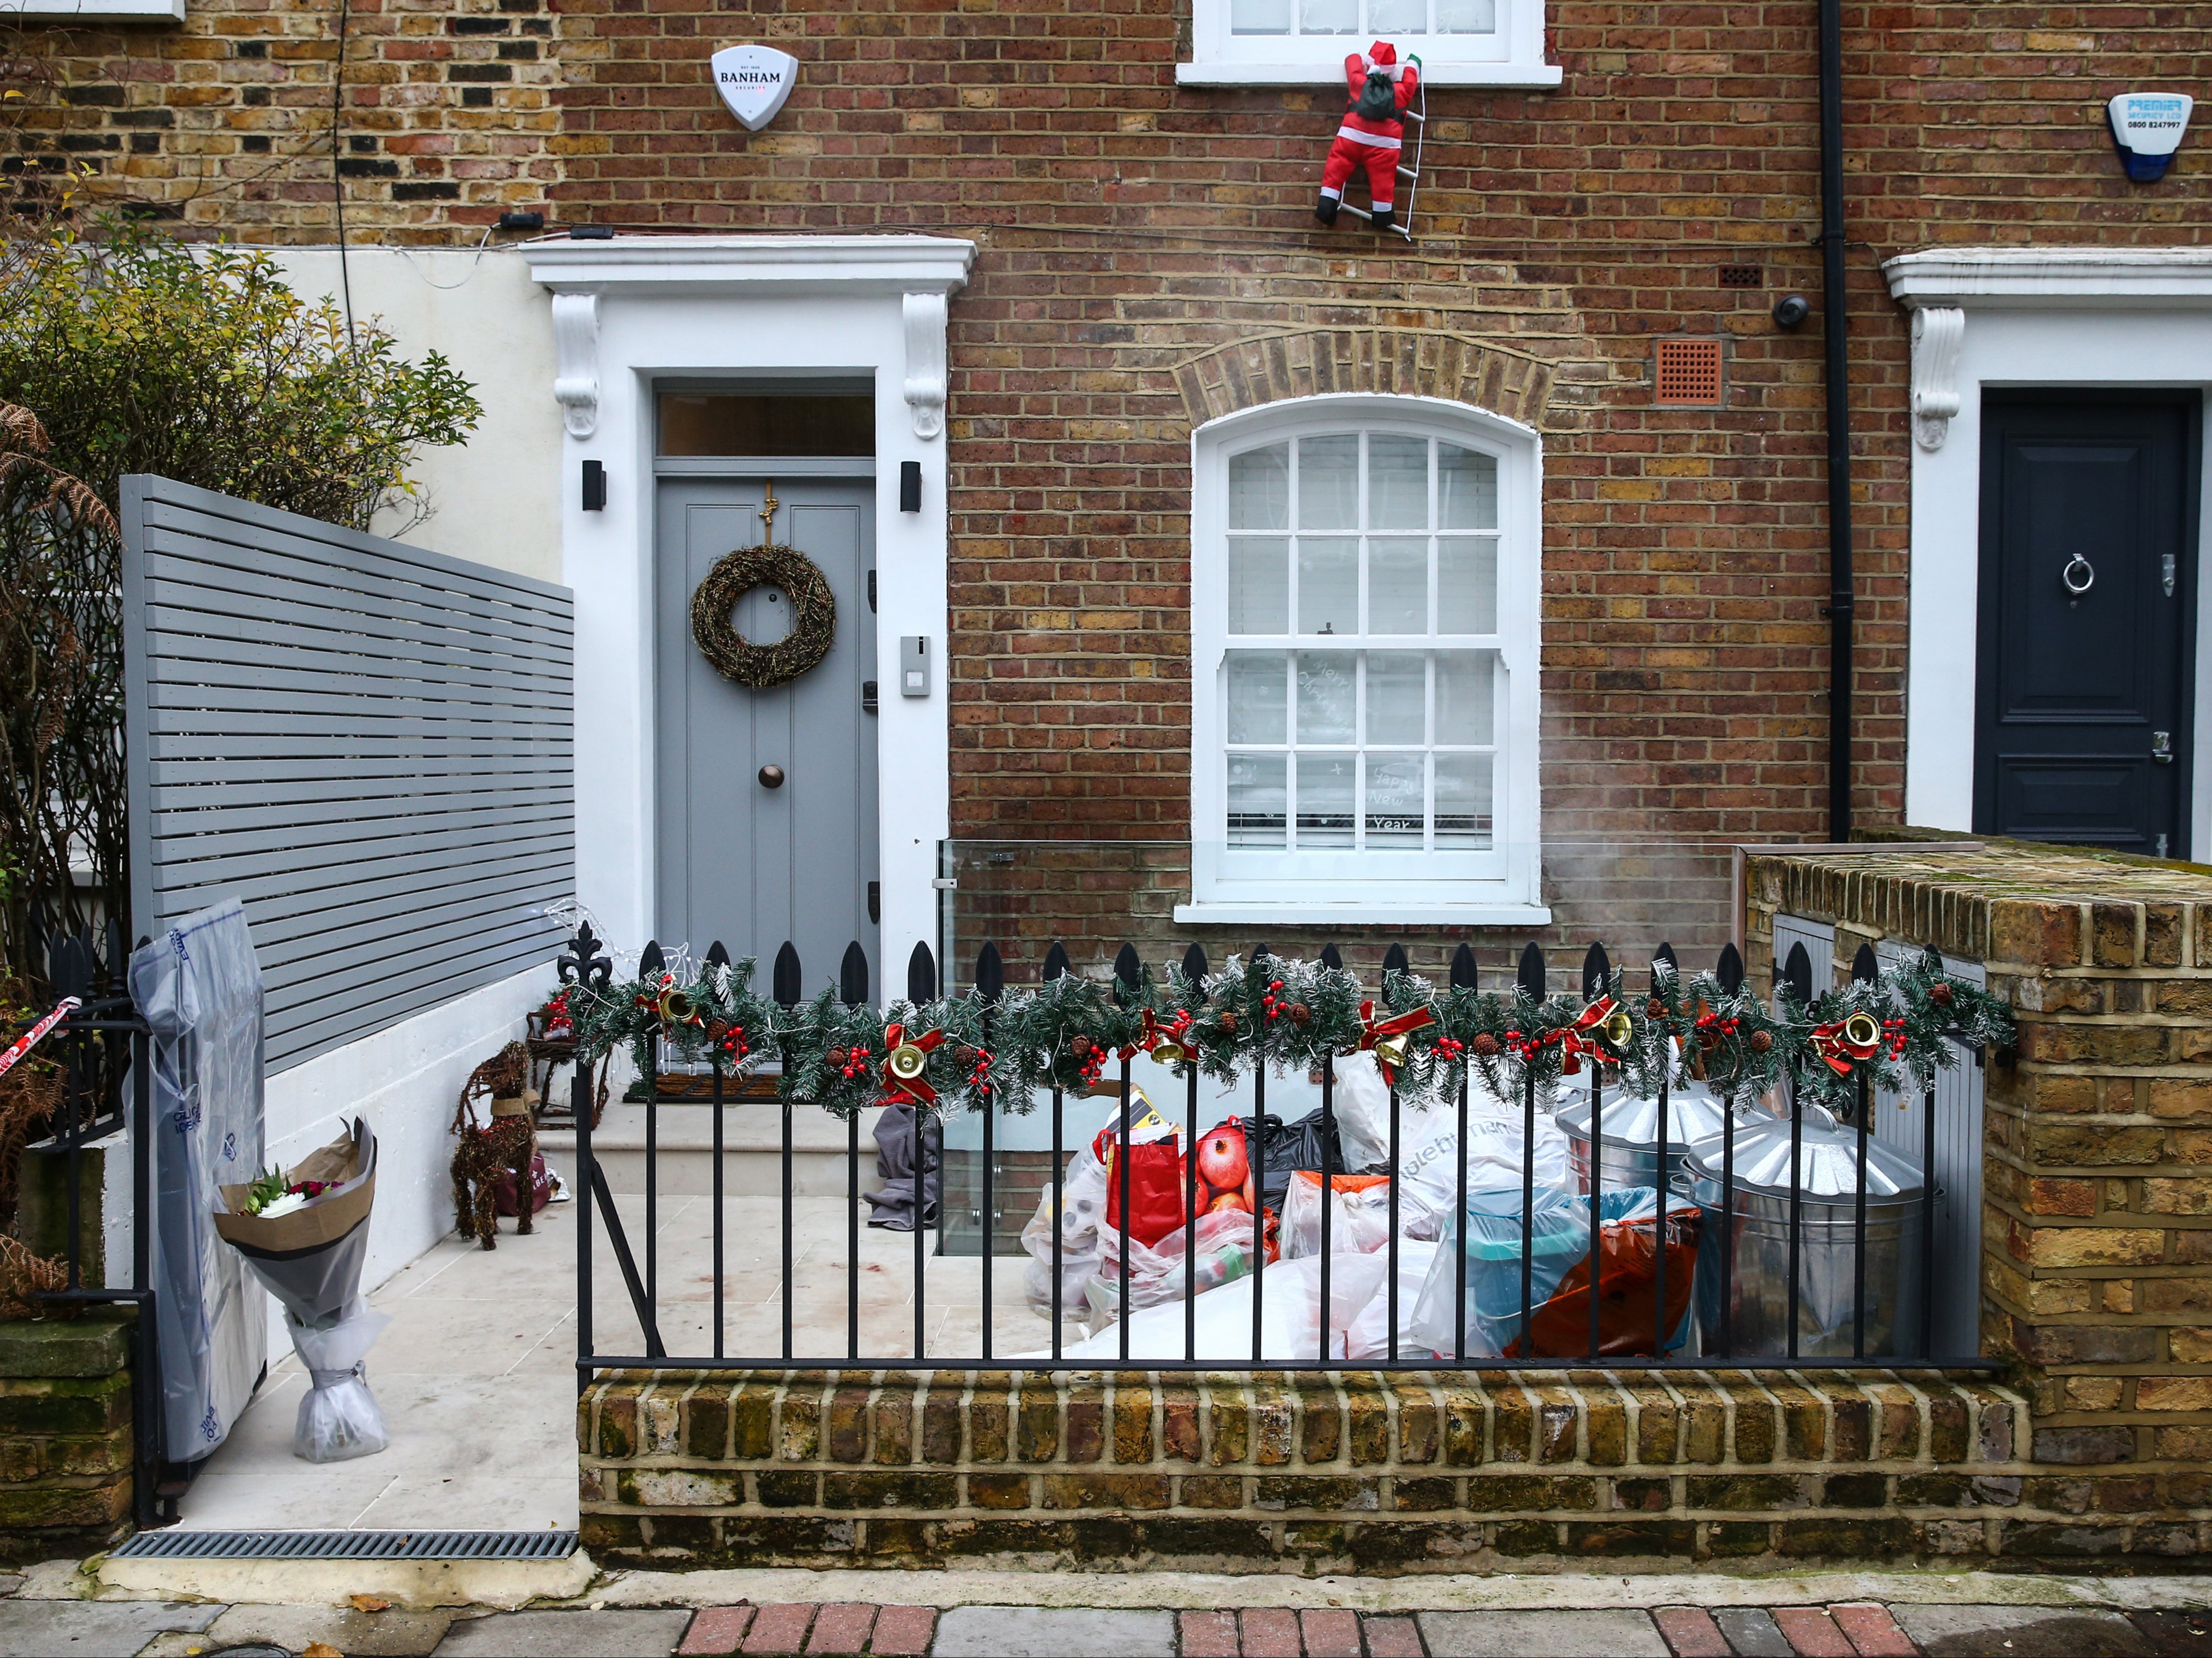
[(1526, 1046), (559, 1021), (1451, 1047), (734, 1044), (1275, 1008), (1089, 1059), (1893, 1031), (980, 1075), (850, 1061)]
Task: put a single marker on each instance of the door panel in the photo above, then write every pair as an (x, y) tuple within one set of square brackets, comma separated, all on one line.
[(2088, 564), (738, 861)]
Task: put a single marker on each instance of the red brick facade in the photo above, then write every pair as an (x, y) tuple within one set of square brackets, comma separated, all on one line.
[(1146, 254)]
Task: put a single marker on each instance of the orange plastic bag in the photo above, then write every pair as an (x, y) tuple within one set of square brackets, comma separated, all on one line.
[(1628, 1280)]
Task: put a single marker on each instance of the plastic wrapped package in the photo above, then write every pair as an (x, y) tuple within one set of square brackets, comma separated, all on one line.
[(1369, 1335), (1157, 1272), (1559, 1277), (1495, 1133), (338, 1417), (199, 988), (1360, 1224), (1361, 1103), (1290, 1315), (1083, 1194)]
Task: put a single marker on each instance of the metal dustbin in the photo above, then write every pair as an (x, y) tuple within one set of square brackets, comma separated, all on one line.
[(1758, 1289), (1629, 1125)]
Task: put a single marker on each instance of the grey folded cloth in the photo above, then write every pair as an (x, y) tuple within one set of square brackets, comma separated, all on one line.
[(894, 1202)]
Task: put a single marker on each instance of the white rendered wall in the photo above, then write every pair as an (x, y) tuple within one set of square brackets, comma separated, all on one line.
[(609, 566), (404, 1080), (2142, 347), (496, 498)]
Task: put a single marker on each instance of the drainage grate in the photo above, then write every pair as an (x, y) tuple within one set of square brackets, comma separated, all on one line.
[(350, 1545)]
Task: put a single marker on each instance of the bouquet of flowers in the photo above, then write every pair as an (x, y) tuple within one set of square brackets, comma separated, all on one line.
[(304, 1231)]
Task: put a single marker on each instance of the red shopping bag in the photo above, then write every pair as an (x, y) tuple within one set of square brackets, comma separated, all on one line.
[(541, 1187), (1155, 1189)]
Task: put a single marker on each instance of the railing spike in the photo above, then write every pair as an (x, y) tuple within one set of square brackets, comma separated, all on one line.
[(1127, 970), (1597, 972), (990, 972), (1395, 960), (1864, 969), (1530, 975), (1195, 964), (788, 984), (1057, 964), (1730, 971), (921, 974), (1463, 976), (1330, 956), (853, 975), (652, 960), (1931, 960), (1259, 950), (718, 955), (1796, 976)]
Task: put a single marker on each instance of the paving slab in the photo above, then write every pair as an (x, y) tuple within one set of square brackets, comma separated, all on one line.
[(1752, 1632), (93, 1629), (717, 1630), (1542, 1635), (2176, 1634), (1814, 1633), (904, 1631), (640, 1634), (1392, 1637), (1057, 1632), (390, 1634), (1691, 1632), (1985, 1631)]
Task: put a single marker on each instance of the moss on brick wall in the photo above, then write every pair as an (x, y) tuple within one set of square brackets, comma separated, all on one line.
[(65, 1435)]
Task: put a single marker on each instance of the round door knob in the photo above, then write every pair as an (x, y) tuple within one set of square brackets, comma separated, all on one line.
[(771, 777)]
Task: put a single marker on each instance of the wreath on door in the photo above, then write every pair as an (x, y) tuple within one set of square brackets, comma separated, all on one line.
[(813, 616)]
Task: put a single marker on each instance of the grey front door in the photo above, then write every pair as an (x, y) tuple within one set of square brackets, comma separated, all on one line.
[(2088, 571), (739, 860)]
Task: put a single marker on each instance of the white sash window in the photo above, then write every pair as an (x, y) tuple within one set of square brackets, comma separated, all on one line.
[(1364, 625), (1303, 42)]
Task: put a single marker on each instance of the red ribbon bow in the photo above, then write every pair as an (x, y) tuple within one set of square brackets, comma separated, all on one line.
[(904, 1091), (1839, 1050), (1574, 1041), (1374, 1032), (1176, 1032)]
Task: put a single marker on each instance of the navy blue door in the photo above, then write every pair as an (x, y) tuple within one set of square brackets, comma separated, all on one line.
[(2089, 568)]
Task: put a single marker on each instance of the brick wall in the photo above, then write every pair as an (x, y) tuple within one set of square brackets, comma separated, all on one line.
[(2096, 1263), (65, 1445), (1135, 236), (1364, 1472)]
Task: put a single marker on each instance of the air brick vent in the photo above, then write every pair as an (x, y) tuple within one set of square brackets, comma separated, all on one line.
[(1686, 372)]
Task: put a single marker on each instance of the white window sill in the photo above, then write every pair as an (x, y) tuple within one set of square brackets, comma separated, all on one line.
[(120, 11), (1355, 912), (1331, 74)]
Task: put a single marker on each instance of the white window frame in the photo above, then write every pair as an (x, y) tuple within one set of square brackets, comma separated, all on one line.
[(117, 11), (1499, 887), (1512, 55)]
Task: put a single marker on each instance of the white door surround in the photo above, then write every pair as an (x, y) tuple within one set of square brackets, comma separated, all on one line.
[(635, 309), (2088, 317)]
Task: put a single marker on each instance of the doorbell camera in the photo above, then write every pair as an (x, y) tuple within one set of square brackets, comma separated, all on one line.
[(913, 666), (1791, 309)]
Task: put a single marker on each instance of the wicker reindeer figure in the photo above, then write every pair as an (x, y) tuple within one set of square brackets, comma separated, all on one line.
[(506, 1143)]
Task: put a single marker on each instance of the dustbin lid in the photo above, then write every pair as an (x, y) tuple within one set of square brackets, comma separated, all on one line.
[(1827, 1165), (1632, 1121)]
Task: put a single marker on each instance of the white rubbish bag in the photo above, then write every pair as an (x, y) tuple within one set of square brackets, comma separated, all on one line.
[(1290, 1315), (1359, 1225), (339, 1418), (1369, 1336), (1429, 1180), (1362, 1106), (1083, 1191)]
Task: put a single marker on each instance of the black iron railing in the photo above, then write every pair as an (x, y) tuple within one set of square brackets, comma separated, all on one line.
[(1720, 1217)]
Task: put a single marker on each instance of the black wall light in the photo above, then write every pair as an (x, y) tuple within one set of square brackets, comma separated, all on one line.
[(595, 486), (909, 486)]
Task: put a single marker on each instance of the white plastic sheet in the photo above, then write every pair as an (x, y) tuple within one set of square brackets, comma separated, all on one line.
[(1290, 1315), (199, 988), (338, 1417)]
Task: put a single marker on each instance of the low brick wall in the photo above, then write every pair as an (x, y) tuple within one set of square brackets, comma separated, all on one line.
[(65, 1435), (1310, 1473)]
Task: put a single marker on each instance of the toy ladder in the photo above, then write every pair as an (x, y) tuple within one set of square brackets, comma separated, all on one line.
[(1411, 175)]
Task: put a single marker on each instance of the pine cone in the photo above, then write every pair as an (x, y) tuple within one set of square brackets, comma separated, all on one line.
[(1761, 1040), (1300, 1013), (1078, 1046), (834, 1056), (1940, 993), (1228, 1023), (1485, 1044), (1655, 1008)]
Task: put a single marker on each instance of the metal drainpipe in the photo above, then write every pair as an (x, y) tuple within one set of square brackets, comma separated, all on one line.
[(1833, 307)]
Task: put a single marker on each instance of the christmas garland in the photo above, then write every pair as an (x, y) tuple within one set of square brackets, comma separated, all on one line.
[(954, 1053), (813, 616)]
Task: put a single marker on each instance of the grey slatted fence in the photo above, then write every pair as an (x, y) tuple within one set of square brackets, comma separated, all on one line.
[(371, 745)]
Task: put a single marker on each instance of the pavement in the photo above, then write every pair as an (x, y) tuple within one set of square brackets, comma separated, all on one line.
[(50, 1610)]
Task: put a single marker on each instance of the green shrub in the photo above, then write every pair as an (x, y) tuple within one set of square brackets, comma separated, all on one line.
[(136, 354)]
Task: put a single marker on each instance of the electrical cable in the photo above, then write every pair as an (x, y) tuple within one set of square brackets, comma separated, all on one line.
[(337, 177)]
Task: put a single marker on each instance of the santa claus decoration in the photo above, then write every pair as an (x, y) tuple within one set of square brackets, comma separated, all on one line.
[(1373, 133)]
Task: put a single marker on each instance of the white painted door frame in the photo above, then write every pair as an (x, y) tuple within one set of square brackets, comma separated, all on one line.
[(2116, 317), (634, 309)]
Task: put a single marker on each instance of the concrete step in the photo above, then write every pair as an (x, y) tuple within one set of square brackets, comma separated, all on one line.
[(752, 1150)]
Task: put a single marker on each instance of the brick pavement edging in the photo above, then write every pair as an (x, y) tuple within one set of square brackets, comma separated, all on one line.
[(1444, 1472), (65, 1449)]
